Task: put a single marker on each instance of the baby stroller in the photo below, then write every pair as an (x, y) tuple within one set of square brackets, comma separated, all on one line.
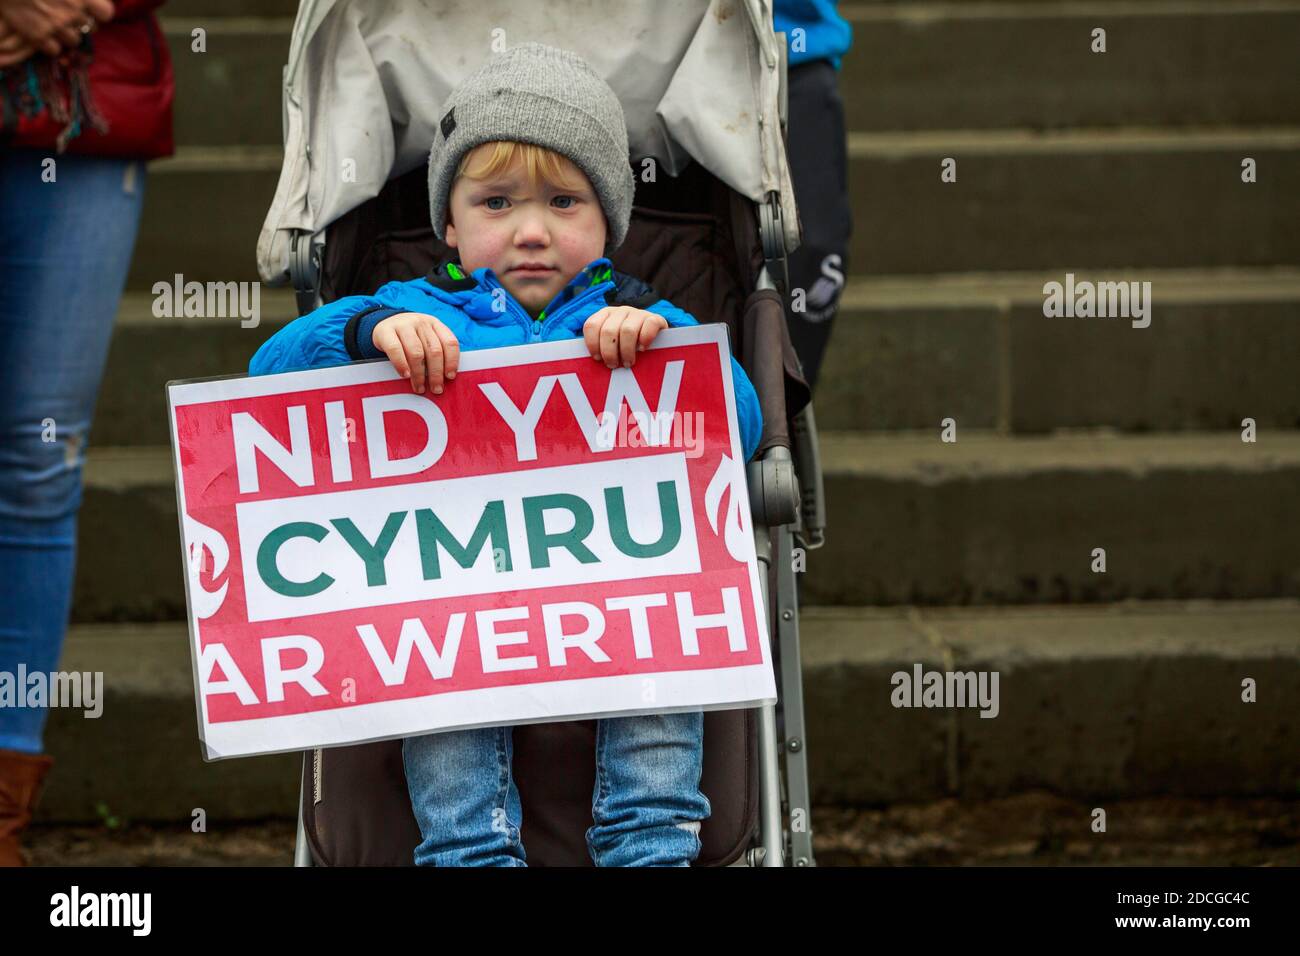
[(702, 86)]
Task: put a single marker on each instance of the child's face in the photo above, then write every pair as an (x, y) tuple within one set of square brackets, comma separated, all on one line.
[(504, 222)]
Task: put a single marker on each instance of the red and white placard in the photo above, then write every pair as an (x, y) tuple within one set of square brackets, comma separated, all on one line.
[(546, 540)]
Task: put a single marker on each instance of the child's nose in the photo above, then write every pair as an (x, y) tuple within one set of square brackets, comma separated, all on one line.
[(531, 229)]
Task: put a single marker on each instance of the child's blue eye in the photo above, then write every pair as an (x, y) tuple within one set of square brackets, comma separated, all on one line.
[(490, 198), (570, 198)]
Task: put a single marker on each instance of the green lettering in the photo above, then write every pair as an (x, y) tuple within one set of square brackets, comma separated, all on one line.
[(269, 549), (433, 532), (668, 514), (540, 542), (372, 554)]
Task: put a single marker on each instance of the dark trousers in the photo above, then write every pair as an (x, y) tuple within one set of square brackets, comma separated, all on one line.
[(818, 162)]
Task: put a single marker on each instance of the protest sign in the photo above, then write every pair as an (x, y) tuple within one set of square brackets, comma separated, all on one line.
[(546, 540)]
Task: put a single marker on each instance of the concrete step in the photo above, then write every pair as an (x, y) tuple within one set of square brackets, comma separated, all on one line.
[(1092, 199), (1148, 198), (203, 210), (129, 559), (910, 351), (913, 66), (1137, 698), (141, 757), (985, 520), (992, 65), (1103, 702), (228, 93), (147, 352), (995, 520), (215, 10)]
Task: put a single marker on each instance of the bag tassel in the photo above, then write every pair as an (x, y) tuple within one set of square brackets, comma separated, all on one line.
[(59, 85)]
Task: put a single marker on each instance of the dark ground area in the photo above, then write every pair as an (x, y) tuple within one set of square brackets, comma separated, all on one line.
[(1035, 829), (1041, 829)]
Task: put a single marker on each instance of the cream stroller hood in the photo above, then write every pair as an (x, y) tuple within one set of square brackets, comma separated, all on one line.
[(366, 79)]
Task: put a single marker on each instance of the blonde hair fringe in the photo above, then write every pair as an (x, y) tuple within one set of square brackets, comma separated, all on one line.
[(540, 163)]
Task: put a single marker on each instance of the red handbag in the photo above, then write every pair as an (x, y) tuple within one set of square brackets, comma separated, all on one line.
[(112, 96)]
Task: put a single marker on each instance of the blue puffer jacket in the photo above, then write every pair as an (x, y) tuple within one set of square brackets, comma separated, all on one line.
[(341, 331), (826, 36)]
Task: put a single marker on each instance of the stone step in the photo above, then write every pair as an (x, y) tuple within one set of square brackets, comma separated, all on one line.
[(1022, 201), (985, 520), (989, 519), (148, 351), (141, 758), (228, 92), (1103, 199), (217, 10), (992, 65), (1106, 702), (913, 66), (910, 351), (1128, 699), (203, 210)]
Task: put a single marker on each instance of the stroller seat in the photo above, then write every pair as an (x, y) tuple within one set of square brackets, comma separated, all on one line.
[(682, 241), (710, 232)]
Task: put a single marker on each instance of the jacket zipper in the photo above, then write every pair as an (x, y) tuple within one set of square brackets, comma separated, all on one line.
[(537, 326)]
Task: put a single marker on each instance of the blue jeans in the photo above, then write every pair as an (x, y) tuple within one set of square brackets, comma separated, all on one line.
[(65, 247), (646, 804)]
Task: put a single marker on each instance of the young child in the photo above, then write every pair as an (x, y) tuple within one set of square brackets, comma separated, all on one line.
[(530, 183)]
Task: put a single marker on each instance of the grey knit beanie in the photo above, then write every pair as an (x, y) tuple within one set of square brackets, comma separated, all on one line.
[(534, 93)]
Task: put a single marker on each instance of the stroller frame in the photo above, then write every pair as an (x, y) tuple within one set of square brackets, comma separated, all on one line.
[(787, 505), (784, 519)]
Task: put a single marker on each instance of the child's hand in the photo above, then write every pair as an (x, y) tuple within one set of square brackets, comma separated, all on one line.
[(420, 347), (617, 333)]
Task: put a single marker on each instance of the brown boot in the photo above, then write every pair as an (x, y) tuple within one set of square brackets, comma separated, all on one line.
[(21, 776)]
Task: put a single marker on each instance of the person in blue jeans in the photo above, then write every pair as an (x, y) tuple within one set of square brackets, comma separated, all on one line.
[(529, 181), (86, 93), (64, 251), (646, 804)]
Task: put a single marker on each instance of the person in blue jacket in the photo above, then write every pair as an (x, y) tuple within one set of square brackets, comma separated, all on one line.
[(530, 184), (454, 310), (816, 37)]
